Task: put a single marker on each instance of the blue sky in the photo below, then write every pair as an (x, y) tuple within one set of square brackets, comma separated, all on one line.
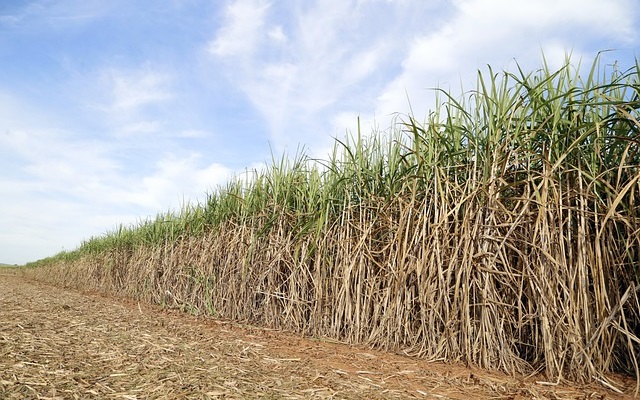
[(113, 111)]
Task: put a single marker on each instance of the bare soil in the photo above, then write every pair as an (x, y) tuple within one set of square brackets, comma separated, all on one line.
[(60, 344)]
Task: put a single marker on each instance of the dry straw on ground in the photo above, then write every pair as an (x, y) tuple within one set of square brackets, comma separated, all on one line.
[(57, 344)]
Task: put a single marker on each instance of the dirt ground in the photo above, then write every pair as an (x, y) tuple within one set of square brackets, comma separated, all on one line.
[(58, 344)]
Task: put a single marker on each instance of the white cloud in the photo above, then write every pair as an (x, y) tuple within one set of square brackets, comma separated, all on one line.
[(277, 34), (87, 172), (194, 134), (57, 15), (57, 162), (143, 127), (362, 64), (242, 29), (53, 188), (126, 100), (314, 59), (305, 67), (180, 178), (135, 88), (63, 191), (63, 187), (495, 32)]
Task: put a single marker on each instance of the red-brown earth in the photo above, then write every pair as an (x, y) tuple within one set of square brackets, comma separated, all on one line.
[(61, 344)]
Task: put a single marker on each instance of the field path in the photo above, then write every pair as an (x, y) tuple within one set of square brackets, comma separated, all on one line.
[(59, 344)]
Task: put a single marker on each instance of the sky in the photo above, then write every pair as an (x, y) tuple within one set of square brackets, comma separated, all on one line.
[(114, 111)]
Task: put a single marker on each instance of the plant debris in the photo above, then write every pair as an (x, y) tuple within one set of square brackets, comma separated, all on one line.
[(62, 344)]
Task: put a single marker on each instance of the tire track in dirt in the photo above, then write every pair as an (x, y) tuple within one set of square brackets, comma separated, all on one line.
[(59, 344)]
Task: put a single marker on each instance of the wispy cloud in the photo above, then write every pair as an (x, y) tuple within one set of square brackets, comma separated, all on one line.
[(242, 31), (300, 64), (132, 90), (493, 32), (59, 163), (129, 90), (57, 15), (309, 67), (130, 99), (74, 186), (187, 173), (91, 172)]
